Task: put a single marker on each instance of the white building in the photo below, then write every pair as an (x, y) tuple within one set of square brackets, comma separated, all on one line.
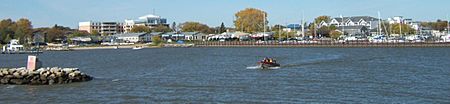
[(13, 46), (399, 19), (132, 37), (367, 21), (150, 21)]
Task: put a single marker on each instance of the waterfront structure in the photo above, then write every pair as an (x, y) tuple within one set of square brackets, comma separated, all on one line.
[(150, 21), (368, 21), (104, 28), (133, 37), (194, 36), (354, 30), (111, 28), (399, 19), (13, 46)]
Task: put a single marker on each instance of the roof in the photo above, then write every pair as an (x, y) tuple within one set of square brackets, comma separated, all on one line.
[(190, 33), (351, 27), (149, 16), (356, 18), (129, 34)]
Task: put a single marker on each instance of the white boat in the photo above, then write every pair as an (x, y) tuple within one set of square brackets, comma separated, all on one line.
[(137, 48)]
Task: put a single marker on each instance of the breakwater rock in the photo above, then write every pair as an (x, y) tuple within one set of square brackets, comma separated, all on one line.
[(42, 76)]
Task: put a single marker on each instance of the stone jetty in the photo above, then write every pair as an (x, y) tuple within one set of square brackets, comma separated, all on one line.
[(42, 76)]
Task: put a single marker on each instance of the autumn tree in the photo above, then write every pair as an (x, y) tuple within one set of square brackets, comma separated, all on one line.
[(335, 34), (251, 20), (195, 27), (405, 29), (24, 30), (319, 19), (54, 34), (161, 28), (139, 28)]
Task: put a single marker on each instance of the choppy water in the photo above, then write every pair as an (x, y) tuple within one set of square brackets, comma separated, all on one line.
[(221, 75)]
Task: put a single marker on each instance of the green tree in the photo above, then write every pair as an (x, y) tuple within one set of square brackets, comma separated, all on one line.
[(95, 33), (139, 28), (335, 34), (222, 28), (8, 38), (156, 40), (7, 27), (319, 19), (195, 27), (251, 20), (161, 28)]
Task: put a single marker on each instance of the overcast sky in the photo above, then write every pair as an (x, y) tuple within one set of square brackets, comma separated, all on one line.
[(44, 13)]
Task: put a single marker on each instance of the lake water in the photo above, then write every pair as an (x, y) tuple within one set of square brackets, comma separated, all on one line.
[(222, 75)]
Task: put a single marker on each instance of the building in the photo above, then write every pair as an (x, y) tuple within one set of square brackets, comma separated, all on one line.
[(354, 30), (399, 19), (150, 21), (133, 37), (111, 28), (104, 28), (194, 36), (367, 21)]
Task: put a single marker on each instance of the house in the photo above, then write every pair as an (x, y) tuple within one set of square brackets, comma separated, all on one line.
[(367, 21), (354, 30), (13, 46), (194, 36), (133, 37), (173, 36)]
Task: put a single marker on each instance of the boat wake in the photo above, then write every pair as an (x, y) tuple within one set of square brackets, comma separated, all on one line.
[(259, 67)]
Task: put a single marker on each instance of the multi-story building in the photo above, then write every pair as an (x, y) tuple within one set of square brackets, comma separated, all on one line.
[(399, 19), (357, 25), (104, 28), (150, 21), (367, 21)]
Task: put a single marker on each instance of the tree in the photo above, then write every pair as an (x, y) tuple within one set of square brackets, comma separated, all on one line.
[(7, 27), (251, 20), (222, 28), (8, 38), (54, 34), (405, 29), (324, 31), (195, 27), (319, 19), (438, 25), (156, 40), (335, 34), (24, 30), (139, 28), (161, 28), (95, 33)]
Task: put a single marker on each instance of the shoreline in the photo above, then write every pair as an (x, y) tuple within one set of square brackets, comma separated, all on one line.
[(226, 45)]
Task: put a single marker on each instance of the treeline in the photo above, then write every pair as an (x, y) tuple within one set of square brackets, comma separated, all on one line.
[(438, 25), (23, 30), (184, 27)]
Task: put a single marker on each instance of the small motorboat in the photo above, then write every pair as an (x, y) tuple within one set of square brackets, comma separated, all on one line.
[(137, 48), (268, 63)]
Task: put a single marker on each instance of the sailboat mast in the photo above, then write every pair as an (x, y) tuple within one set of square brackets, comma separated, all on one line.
[(303, 24), (379, 23), (264, 33)]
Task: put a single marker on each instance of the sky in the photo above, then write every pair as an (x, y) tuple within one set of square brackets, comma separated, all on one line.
[(45, 13)]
